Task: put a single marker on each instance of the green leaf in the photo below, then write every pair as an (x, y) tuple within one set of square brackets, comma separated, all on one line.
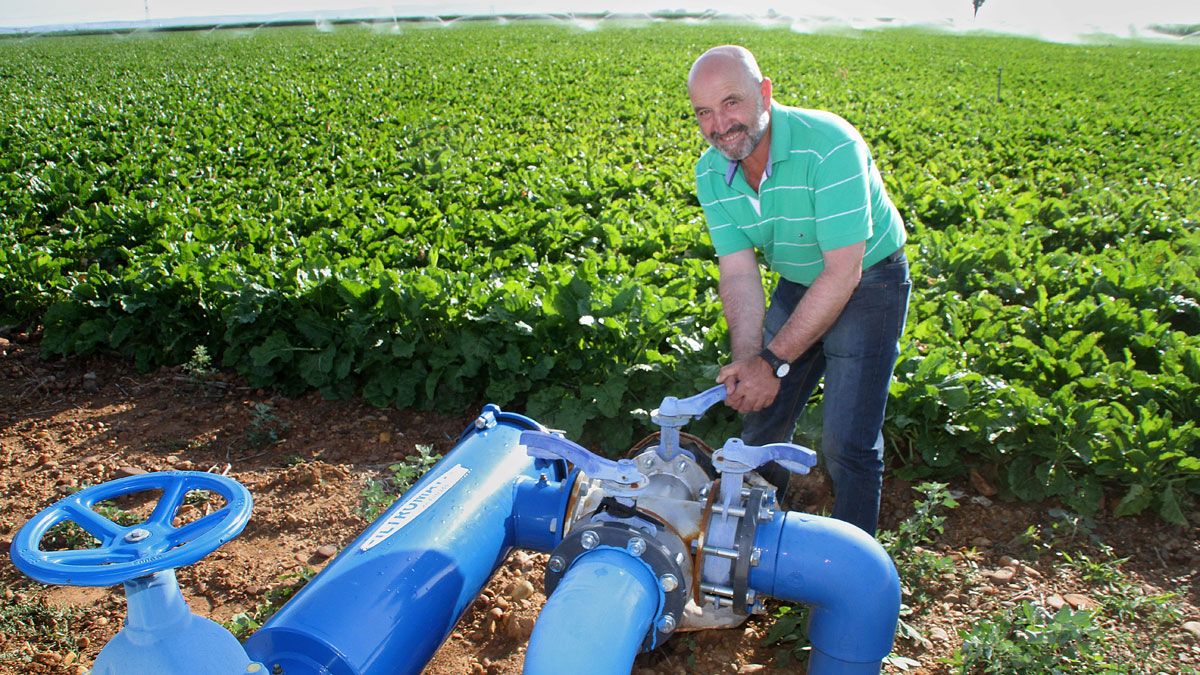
[(1134, 501), (274, 347), (1169, 507)]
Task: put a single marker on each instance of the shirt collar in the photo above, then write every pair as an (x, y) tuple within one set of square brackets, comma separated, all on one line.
[(731, 169)]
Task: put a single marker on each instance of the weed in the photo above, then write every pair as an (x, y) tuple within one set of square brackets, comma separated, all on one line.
[(381, 492), (47, 627), (243, 624), (790, 630), (200, 365), (1120, 595), (1028, 639), (918, 567), (265, 426)]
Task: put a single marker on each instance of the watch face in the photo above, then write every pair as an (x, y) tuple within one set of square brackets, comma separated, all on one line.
[(783, 370)]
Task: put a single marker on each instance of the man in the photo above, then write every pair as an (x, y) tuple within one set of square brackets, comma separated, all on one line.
[(801, 187)]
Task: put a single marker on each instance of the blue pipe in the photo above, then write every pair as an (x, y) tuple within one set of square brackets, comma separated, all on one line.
[(597, 617), (387, 602), (847, 578)]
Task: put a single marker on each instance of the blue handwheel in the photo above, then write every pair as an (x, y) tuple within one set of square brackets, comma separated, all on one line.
[(129, 552)]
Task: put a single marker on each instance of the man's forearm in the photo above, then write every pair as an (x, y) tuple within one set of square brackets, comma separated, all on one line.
[(817, 311), (744, 307)]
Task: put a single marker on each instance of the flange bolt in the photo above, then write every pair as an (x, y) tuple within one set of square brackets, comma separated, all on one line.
[(589, 540), (755, 556), (136, 535), (669, 582), (666, 624), (636, 546), (556, 564)]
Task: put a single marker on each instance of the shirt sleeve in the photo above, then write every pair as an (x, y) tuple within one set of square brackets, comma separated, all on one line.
[(724, 232), (842, 196)]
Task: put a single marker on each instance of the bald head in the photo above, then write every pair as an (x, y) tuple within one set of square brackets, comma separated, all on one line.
[(726, 61)]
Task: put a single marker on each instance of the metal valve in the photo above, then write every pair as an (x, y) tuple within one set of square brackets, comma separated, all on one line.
[(737, 457), (620, 477), (673, 413)]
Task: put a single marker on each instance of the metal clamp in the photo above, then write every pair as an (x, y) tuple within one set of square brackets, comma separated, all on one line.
[(725, 554)]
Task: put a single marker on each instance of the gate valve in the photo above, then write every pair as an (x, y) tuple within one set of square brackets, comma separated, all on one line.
[(673, 413), (620, 478)]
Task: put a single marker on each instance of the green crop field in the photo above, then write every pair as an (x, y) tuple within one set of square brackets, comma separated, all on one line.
[(432, 216)]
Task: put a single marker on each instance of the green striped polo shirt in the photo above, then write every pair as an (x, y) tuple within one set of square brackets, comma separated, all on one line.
[(821, 191)]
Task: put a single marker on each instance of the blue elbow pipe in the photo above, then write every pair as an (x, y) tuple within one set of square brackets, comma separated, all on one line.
[(847, 578), (597, 617), (389, 600)]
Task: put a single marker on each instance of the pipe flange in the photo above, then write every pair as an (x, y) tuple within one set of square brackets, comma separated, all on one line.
[(640, 544), (747, 527)]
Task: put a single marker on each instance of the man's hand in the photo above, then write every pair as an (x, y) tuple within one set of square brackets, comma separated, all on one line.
[(749, 384)]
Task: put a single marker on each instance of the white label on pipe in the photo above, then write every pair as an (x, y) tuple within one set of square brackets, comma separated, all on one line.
[(416, 505)]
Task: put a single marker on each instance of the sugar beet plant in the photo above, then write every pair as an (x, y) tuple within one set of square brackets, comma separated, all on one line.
[(506, 213)]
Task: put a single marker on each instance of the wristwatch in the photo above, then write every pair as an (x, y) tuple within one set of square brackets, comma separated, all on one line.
[(778, 365)]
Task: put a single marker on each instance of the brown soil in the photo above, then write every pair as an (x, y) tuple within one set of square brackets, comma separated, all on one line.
[(69, 424)]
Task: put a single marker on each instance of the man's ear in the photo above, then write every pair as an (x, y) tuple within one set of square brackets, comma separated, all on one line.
[(765, 90)]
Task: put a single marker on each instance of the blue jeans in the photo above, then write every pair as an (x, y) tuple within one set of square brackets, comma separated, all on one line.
[(856, 357)]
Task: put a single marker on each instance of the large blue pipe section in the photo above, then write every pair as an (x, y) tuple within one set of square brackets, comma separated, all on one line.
[(847, 578), (387, 602), (597, 617)]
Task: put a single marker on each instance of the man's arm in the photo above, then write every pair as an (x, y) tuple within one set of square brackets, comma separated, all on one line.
[(822, 304), (749, 383), (741, 292)]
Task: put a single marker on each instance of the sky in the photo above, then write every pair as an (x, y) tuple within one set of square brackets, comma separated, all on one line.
[(1050, 19)]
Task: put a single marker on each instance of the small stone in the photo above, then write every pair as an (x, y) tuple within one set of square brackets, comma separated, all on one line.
[(101, 621), (981, 542), (385, 437), (751, 668), (938, 634), (519, 628), (520, 590), (1009, 561), (1078, 601), (1026, 569), (326, 551), (1192, 627), (1002, 575), (126, 471)]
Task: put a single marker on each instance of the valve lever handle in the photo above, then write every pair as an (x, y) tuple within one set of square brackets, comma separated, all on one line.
[(623, 472), (737, 457), (692, 406)]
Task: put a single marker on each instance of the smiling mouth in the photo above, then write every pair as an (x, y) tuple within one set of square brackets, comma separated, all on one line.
[(730, 135)]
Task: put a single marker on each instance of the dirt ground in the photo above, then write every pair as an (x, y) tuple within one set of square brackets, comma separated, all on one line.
[(69, 424)]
